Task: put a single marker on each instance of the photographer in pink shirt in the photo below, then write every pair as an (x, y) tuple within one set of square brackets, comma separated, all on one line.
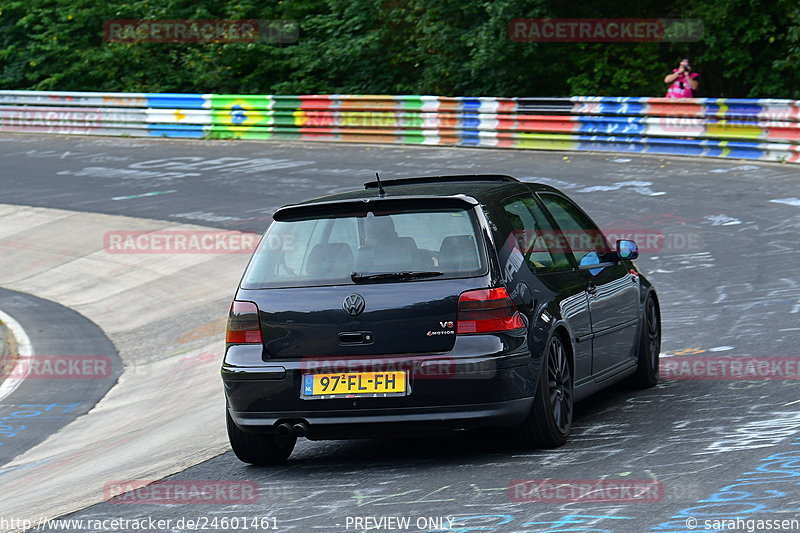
[(682, 82)]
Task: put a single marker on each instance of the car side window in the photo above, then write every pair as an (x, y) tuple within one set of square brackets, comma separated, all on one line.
[(587, 243), (534, 235)]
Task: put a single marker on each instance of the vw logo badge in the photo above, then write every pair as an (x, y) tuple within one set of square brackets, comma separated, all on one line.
[(353, 305)]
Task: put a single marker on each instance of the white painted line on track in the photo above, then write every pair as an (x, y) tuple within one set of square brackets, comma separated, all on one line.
[(788, 201), (24, 349)]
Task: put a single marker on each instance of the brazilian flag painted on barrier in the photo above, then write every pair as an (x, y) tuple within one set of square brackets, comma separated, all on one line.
[(242, 117)]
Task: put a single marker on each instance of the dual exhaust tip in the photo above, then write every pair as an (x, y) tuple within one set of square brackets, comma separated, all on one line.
[(294, 429)]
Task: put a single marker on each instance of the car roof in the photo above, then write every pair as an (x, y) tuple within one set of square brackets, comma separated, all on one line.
[(478, 186)]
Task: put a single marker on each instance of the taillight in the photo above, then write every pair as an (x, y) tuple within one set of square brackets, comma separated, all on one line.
[(243, 324), (487, 311)]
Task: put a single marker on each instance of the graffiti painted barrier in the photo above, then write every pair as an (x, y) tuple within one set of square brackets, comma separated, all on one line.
[(762, 129)]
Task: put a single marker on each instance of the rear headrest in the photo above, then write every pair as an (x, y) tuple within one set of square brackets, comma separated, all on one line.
[(330, 260), (379, 228), (458, 253), (400, 253)]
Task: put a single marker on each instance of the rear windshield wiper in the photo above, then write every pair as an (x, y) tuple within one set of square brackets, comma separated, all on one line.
[(404, 274)]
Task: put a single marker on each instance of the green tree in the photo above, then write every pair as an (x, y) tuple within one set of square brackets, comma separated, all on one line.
[(751, 48)]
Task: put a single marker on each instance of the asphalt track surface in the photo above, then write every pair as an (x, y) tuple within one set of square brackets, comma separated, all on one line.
[(45, 402), (727, 277)]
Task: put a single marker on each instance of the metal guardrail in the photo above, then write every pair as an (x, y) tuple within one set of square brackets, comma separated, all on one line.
[(762, 129)]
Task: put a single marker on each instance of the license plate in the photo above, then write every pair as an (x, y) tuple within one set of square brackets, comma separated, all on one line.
[(355, 384)]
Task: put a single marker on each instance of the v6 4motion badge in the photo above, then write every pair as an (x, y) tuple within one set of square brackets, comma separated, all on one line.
[(447, 328)]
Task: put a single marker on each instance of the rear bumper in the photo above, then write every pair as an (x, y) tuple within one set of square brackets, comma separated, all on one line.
[(356, 423), (486, 381)]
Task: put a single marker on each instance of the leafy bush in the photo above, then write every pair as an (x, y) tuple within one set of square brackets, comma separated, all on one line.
[(751, 48)]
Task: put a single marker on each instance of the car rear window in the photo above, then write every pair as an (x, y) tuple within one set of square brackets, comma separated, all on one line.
[(329, 249)]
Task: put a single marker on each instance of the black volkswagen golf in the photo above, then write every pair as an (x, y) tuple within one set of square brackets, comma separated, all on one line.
[(432, 304)]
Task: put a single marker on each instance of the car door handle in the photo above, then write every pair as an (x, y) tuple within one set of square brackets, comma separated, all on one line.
[(591, 289)]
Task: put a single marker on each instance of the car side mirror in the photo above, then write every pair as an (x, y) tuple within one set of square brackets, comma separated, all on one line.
[(627, 249)]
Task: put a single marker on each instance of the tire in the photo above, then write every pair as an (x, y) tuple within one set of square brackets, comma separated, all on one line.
[(258, 449), (550, 420), (647, 371)]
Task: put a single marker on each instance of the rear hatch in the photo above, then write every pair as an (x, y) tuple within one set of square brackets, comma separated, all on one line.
[(365, 278)]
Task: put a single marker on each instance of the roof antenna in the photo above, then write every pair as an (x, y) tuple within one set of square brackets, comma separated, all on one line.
[(381, 192)]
